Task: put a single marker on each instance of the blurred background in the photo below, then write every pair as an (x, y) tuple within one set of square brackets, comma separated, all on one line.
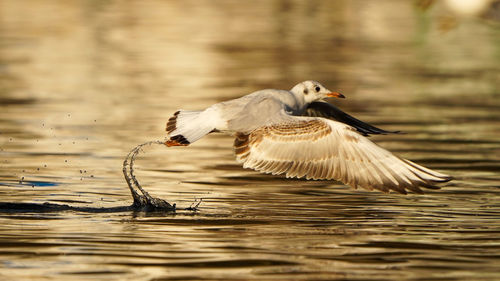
[(83, 82)]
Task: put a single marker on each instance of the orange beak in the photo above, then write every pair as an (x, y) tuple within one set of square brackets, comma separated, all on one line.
[(335, 95)]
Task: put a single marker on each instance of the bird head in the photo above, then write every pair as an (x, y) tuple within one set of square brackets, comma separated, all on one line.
[(313, 91)]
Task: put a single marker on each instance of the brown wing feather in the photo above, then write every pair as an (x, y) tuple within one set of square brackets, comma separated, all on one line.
[(317, 148)]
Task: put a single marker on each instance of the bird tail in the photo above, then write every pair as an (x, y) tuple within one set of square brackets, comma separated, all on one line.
[(186, 127)]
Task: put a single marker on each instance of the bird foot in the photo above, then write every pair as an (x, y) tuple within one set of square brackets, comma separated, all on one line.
[(170, 143)]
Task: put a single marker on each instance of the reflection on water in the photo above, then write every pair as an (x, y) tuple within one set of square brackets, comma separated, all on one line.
[(83, 82)]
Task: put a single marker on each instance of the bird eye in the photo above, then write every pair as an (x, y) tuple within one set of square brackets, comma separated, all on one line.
[(306, 91), (317, 88)]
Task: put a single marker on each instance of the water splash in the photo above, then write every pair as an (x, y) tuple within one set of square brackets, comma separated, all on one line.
[(146, 201)]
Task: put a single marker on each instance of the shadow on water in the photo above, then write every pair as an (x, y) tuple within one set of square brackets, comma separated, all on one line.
[(13, 207), (10, 207)]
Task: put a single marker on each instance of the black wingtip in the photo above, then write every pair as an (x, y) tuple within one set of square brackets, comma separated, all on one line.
[(327, 110)]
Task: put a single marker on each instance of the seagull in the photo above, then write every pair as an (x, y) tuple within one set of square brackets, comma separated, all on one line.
[(298, 134)]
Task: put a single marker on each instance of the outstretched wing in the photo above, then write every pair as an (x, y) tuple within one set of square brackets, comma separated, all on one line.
[(318, 148), (329, 111)]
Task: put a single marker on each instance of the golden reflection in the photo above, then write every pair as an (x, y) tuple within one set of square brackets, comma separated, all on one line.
[(82, 82)]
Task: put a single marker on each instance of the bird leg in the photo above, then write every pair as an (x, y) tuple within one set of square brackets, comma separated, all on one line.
[(170, 143)]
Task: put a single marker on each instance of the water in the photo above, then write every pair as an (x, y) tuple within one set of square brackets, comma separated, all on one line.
[(83, 82)]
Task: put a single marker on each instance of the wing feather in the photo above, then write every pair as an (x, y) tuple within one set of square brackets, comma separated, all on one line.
[(329, 111), (318, 148)]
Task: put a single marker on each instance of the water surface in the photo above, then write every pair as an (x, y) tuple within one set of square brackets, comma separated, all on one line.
[(83, 82)]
